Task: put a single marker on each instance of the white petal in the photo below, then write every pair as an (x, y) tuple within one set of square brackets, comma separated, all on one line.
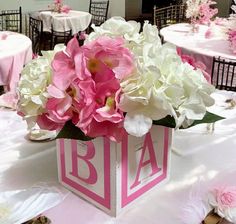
[(137, 125)]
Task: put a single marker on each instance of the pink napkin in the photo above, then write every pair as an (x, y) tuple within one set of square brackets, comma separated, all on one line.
[(3, 36)]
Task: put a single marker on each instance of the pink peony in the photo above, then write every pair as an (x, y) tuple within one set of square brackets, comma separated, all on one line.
[(100, 95), (225, 197), (86, 88), (112, 53)]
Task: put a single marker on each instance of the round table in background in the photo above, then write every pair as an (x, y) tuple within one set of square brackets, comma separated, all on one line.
[(15, 52), (196, 44)]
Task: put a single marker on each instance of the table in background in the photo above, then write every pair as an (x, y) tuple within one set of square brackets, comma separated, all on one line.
[(15, 52), (74, 20), (24, 163), (196, 44)]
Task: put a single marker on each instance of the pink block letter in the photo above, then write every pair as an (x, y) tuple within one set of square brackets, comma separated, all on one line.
[(152, 159), (92, 178)]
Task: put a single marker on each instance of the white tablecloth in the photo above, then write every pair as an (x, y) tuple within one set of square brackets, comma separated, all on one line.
[(211, 159), (75, 20), (196, 44)]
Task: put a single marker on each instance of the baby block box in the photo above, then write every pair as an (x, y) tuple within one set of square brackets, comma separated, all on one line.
[(113, 175)]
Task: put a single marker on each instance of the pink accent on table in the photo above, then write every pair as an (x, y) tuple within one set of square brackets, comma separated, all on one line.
[(112, 175)]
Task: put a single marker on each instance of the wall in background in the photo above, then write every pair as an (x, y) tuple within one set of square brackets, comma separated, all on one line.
[(223, 6), (133, 9)]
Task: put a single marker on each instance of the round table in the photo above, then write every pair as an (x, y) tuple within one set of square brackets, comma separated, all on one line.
[(15, 52), (196, 44), (74, 20)]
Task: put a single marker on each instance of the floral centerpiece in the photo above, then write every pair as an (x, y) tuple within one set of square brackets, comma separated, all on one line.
[(59, 7), (121, 80), (200, 11)]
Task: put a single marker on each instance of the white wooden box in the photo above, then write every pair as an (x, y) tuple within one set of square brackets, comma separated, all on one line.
[(113, 175)]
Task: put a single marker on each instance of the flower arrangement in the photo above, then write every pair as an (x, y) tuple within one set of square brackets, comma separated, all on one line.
[(200, 11), (121, 80), (59, 7)]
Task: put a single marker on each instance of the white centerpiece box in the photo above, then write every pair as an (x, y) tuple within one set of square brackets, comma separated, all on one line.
[(113, 175)]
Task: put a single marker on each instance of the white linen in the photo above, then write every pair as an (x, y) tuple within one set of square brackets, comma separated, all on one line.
[(197, 45), (24, 163), (75, 20)]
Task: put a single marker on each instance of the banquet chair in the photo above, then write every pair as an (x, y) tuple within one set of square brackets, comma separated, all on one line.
[(166, 16), (35, 34), (60, 37), (224, 73), (12, 20), (98, 10)]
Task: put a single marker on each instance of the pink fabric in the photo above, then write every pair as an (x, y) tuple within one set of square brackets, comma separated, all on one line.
[(12, 62)]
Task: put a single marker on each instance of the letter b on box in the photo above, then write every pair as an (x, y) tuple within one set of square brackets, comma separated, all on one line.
[(113, 175)]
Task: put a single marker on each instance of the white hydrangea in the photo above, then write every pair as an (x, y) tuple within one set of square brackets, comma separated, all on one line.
[(32, 87)]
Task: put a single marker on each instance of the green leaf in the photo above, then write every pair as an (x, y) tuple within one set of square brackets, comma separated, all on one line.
[(167, 121), (208, 118), (72, 132)]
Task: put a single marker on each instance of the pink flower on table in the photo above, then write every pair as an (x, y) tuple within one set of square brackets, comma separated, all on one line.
[(232, 39), (65, 9), (112, 53), (57, 1), (206, 12), (208, 33), (223, 199)]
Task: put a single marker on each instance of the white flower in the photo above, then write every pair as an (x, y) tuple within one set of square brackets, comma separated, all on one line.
[(35, 78)]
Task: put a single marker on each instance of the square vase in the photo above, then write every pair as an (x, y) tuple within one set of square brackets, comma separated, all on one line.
[(110, 175)]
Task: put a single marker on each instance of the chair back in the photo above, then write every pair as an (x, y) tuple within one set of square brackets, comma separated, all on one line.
[(60, 37), (35, 33), (224, 73), (98, 10), (166, 16), (12, 20)]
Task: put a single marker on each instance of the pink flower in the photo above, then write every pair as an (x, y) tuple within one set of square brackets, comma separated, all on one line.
[(65, 9), (223, 200), (63, 65), (57, 1), (112, 53), (225, 196), (99, 113), (208, 34), (86, 88)]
